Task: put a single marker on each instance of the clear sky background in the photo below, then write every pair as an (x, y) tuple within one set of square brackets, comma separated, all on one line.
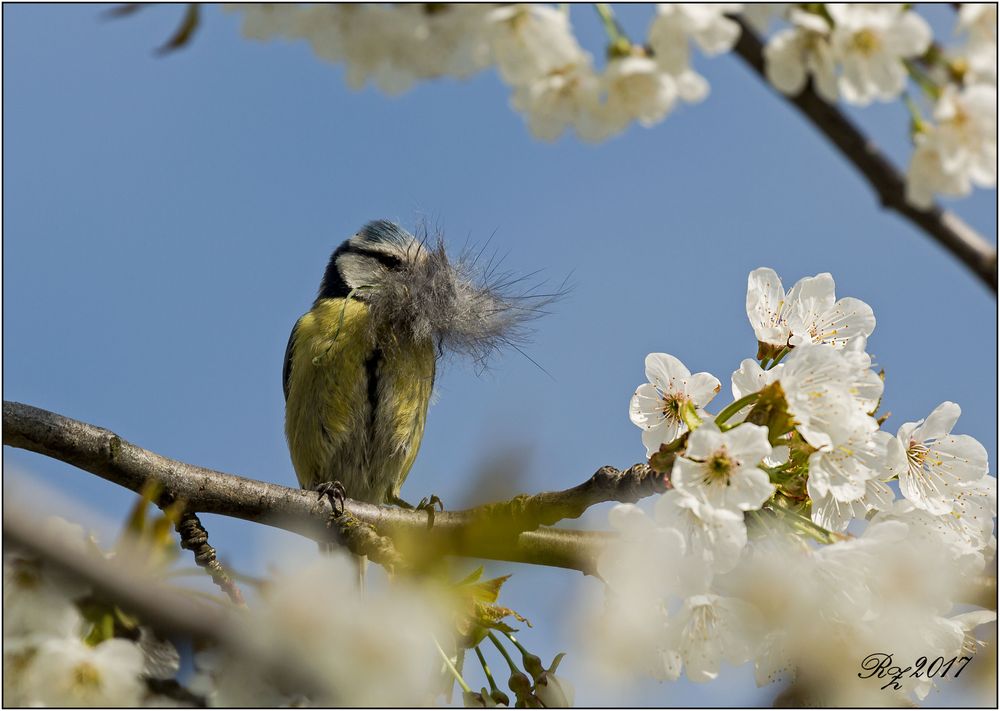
[(166, 220)]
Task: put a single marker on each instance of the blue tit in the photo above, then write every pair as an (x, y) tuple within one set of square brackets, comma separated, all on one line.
[(360, 365)]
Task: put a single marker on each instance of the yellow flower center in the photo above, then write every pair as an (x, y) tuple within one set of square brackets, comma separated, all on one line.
[(26, 574), (719, 467), (866, 42), (672, 405), (916, 453), (86, 677)]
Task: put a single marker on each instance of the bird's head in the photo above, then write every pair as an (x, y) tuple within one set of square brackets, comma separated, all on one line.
[(415, 291)]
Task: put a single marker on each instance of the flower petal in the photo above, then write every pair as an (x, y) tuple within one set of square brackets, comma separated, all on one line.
[(663, 369), (939, 423)]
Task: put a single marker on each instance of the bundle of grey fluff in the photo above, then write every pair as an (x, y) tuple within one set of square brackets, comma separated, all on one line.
[(464, 308)]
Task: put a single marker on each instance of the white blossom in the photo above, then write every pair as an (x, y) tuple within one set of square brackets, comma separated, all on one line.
[(69, 672), (974, 509), (646, 548), (639, 567), (979, 21), (761, 15), (657, 406), (935, 541), (226, 680), (676, 25), (794, 54), (932, 464), (815, 317), (391, 46), (18, 656), (722, 468), (453, 41), (38, 599), (263, 21), (554, 691), (715, 537), (842, 469), (376, 651), (835, 515), (959, 150), (637, 88), (820, 385), (705, 25), (968, 621), (749, 379), (809, 313), (710, 629), (871, 42), (530, 41), (846, 573), (566, 96)]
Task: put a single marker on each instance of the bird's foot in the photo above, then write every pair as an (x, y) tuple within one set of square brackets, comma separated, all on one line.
[(426, 504), (335, 493)]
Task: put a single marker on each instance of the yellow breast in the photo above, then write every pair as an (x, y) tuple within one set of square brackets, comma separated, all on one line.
[(357, 401)]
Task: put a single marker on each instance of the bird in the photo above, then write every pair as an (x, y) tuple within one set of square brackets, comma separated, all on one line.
[(360, 365)]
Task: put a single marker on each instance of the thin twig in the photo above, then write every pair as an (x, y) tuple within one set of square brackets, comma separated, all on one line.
[(514, 530), (946, 228), (194, 538)]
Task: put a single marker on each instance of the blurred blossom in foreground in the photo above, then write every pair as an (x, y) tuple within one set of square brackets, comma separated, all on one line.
[(375, 651), (47, 662)]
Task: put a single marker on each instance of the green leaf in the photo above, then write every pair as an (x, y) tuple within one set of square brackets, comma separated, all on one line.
[(471, 577)]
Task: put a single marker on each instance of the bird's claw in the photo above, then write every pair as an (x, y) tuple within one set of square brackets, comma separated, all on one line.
[(427, 504), (335, 493)]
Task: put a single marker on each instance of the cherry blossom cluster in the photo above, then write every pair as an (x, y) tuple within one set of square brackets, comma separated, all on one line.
[(797, 534), (554, 81), (869, 52), (859, 53)]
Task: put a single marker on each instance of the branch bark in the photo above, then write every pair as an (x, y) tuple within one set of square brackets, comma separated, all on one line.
[(946, 228), (515, 530)]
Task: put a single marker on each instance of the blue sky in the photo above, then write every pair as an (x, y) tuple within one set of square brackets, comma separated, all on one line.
[(167, 220)]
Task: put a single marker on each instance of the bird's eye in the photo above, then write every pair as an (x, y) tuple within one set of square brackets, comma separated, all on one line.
[(389, 261)]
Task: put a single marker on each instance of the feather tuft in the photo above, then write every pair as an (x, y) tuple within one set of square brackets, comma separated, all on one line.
[(463, 307)]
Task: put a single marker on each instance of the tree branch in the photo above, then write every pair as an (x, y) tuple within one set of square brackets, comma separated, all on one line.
[(513, 530), (946, 228)]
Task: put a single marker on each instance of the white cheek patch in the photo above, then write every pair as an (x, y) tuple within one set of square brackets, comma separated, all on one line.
[(357, 270)]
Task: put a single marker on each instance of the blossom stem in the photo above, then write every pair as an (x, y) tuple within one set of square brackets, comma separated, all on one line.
[(734, 407), (451, 667), (486, 669), (917, 123), (620, 44), (496, 642), (922, 79), (777, 359), (517, 644)]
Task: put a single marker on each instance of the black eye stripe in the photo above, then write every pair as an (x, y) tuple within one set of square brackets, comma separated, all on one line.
[(389, 261)]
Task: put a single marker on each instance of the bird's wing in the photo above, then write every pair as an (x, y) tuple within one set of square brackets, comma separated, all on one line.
[(286, 370)]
